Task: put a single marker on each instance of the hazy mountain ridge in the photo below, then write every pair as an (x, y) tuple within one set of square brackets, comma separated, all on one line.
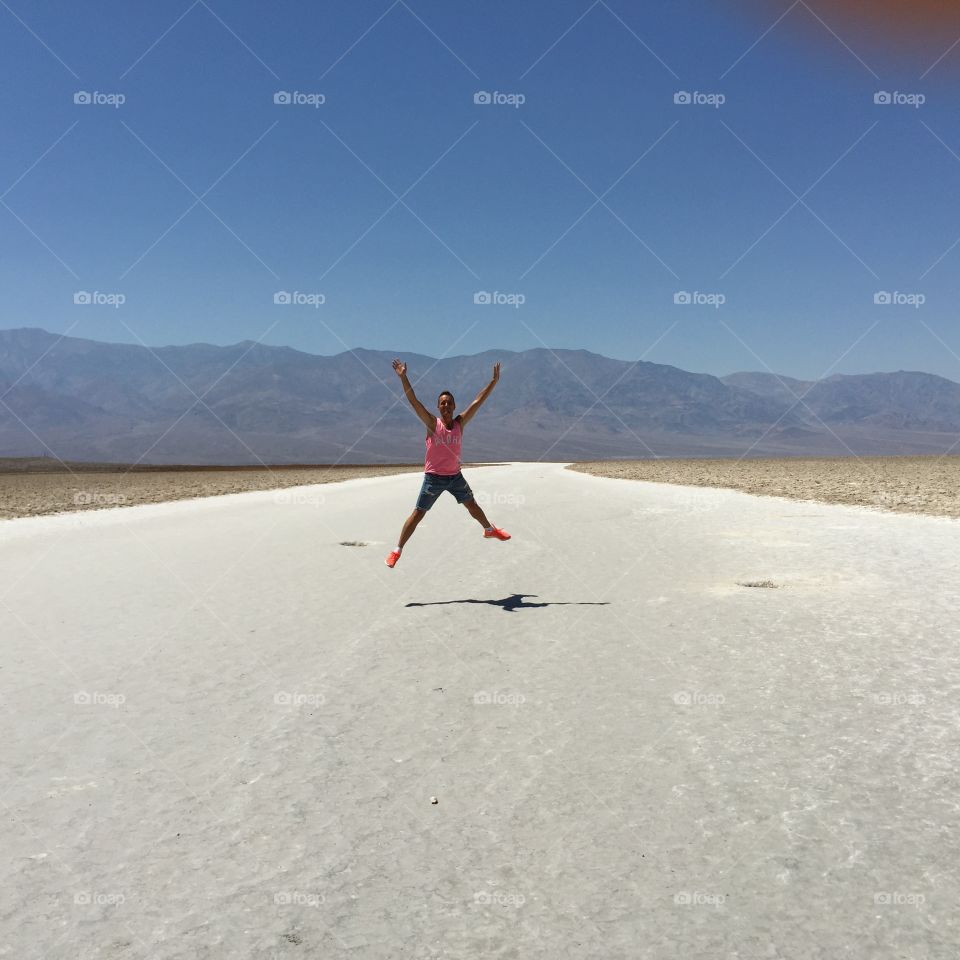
[(82, 399), (902, 400)]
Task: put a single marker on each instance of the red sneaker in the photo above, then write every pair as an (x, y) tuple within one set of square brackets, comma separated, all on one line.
[(497, 533), (392, 557)]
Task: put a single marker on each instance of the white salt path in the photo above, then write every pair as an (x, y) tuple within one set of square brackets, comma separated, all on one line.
[(224, 728)]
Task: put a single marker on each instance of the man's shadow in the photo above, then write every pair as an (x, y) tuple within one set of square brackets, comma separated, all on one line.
[(515, 602)]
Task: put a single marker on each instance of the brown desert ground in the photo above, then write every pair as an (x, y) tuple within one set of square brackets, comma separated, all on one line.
[(928, 485), (31, 486)]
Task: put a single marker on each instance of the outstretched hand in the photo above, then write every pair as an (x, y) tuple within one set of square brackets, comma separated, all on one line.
[(400, 367), (496, 371)]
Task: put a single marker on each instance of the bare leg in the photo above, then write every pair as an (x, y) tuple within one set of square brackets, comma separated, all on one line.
[(410, 525), (477, 513)]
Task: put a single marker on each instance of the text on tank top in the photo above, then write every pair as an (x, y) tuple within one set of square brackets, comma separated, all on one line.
[(443, 449)]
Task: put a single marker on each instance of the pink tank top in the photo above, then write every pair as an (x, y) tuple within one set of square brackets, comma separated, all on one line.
[(443, 449)]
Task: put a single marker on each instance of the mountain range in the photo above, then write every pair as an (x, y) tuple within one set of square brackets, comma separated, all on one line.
[(80, 399)]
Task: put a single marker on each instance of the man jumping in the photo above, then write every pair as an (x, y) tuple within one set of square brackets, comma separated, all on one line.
[(442, 464)]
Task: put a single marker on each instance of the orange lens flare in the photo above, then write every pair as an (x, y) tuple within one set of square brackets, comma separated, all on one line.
[(925, 28)]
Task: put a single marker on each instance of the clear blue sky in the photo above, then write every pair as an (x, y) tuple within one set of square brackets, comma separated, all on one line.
[(501, 197)]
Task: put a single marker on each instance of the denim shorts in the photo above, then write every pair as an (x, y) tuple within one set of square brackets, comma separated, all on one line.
[(434, 484)]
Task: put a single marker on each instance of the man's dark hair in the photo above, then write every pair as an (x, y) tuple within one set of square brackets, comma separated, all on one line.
[(446, 393)]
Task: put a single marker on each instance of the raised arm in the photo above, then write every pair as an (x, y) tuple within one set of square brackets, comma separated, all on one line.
[(421, 411), (468, 414)]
